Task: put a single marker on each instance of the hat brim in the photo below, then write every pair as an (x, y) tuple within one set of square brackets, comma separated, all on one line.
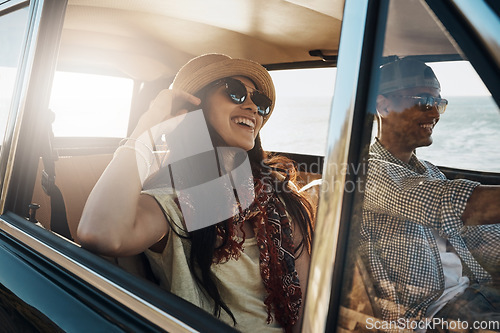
[(201, 77)]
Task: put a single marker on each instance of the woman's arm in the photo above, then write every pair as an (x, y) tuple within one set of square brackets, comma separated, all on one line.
[(117, 220)]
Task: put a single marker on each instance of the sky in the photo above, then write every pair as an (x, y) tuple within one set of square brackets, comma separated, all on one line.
[(457, 78)]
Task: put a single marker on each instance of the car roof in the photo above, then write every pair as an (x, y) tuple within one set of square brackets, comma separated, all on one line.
[(151, 39)]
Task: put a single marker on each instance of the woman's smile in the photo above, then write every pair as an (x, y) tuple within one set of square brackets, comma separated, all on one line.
[(237, 124), (244, 122)]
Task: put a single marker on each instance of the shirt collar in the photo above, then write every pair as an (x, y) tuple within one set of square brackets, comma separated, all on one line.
[(380, 152)]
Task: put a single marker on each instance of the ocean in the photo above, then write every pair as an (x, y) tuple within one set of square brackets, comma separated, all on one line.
[(466, 137)]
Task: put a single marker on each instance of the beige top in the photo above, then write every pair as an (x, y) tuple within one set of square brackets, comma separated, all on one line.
[(239, 281)]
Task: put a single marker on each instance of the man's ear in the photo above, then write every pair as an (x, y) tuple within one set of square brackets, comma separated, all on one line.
[(382, 105)]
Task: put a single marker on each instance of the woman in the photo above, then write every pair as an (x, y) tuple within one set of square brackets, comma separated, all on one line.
[(250, 269)]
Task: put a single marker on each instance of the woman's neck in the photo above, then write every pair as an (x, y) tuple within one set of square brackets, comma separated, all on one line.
[(230, 158)]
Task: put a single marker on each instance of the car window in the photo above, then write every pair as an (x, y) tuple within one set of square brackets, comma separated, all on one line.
[(303, 102), (88, 105), (12, 31), (408, 252), (468, 132)]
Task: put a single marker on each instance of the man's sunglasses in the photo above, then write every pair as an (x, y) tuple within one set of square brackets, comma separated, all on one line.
[(237, 92), (428, 102)]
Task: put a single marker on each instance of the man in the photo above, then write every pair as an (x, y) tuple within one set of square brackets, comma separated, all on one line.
[(430, 244)]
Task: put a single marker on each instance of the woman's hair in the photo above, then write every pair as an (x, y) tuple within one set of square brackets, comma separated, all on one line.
[(204, 241)]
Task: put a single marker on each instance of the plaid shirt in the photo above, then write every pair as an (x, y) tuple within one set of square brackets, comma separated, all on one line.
[(403, 203)]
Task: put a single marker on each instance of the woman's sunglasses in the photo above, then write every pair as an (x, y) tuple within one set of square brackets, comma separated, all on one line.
[(237, 92), (427, 103)]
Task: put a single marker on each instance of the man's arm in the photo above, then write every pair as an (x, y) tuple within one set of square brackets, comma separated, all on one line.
[(398, 192), (483, 206)]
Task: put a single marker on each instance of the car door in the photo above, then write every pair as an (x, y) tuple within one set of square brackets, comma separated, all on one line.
[(45, 280), (60, 286), (16, 34), (455, 39), (52, 284)]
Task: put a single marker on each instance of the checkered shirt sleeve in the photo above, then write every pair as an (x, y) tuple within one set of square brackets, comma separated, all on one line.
[(403, 203), (418, 192)]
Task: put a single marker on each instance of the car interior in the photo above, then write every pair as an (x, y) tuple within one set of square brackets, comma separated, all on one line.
[(146, 44)]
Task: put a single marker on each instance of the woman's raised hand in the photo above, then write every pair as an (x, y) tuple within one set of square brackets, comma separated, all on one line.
[(117, 220), (169, 105)]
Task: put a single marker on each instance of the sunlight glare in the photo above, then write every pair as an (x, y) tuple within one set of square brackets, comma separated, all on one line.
[(88, 105)]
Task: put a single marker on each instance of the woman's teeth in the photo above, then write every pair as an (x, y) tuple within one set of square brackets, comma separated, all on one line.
[(244, 121)]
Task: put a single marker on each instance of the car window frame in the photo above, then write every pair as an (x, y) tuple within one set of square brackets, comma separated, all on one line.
[(25, 62), (344, 145), (363, 96), (363, 23), (131, 302), (458, 19)]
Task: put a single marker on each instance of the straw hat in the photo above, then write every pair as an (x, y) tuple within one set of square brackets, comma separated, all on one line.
[(404, 74), (207, 68)]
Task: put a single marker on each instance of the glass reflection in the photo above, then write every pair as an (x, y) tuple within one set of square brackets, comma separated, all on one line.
[(423, 253)]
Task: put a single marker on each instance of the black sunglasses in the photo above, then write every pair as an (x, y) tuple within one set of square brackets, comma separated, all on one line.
[(237, 92), (425, 103)]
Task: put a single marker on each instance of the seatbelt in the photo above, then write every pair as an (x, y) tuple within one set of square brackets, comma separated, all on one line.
[(58, 219)]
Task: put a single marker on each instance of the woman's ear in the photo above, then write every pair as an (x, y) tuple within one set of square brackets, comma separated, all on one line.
[(382, 105)]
